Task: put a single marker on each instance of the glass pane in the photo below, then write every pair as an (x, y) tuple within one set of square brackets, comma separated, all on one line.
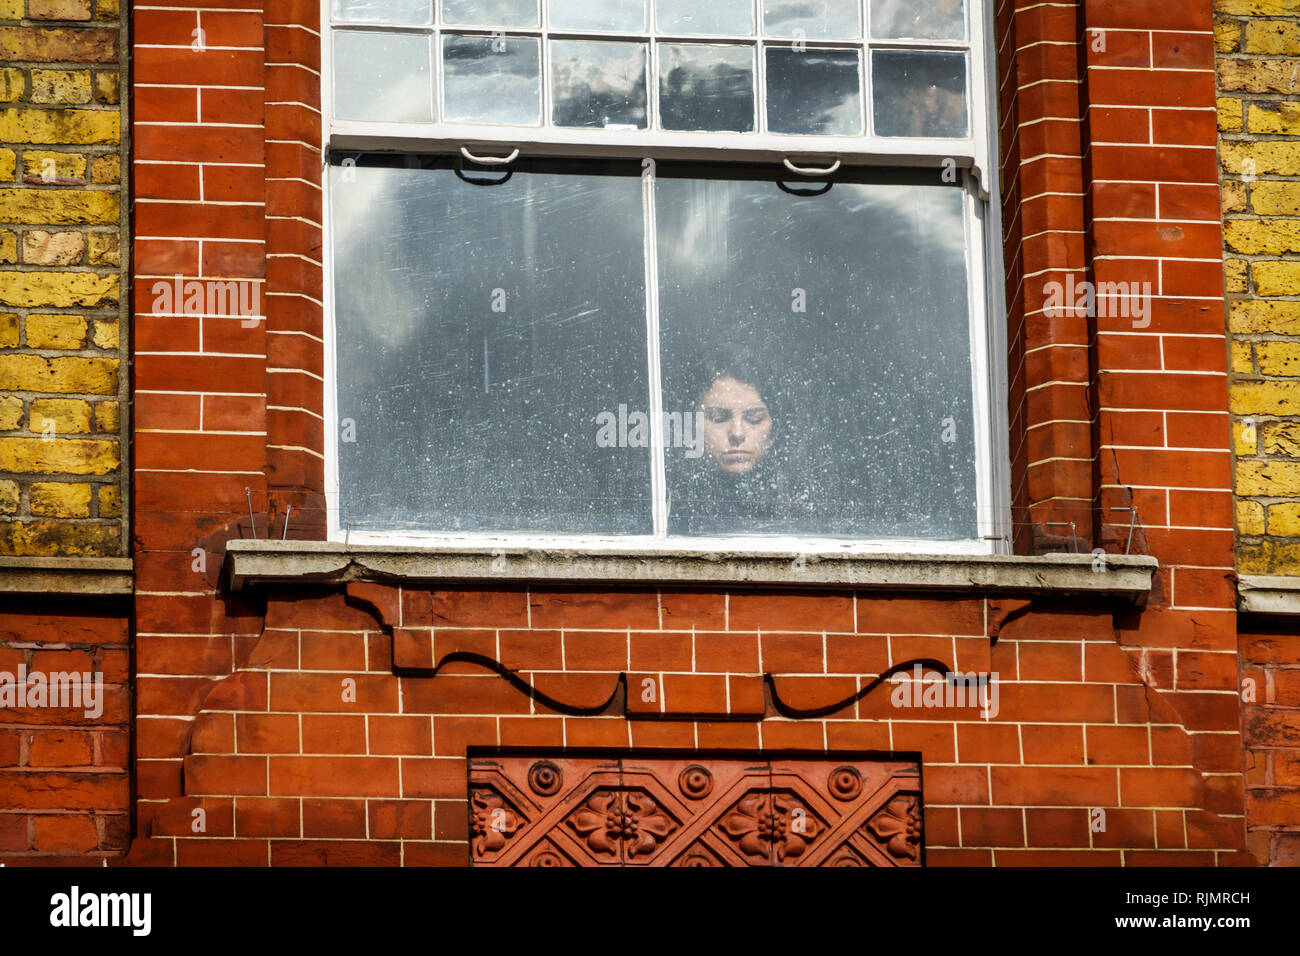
[(598, 84), (492, 80), (490, 13), (814, 91), (383, 11), (488, 327), (627, 15), (919, 94), (918, 19), (820, 338), (811, 19), (733, 17), (703, 87), (382, 77)]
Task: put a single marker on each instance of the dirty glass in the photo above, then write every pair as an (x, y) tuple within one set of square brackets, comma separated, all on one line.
[(621, 15), (490, 13), (813, 91), (484, 319), (491, 327), (729, 17), (598, 83), (918, 19), (492, 80), (823, 332), (382, 77), (383, 11), (811, 19), (919, 94), (706, 87)]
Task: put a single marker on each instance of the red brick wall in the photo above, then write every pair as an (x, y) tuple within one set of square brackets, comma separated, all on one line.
[(240, 708), (286, 770), (1270, 667), (64, 785)]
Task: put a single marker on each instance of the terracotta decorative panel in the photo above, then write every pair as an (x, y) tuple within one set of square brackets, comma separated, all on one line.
[(664, 811)]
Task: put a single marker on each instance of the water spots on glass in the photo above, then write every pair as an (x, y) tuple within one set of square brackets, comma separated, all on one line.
[(842, 399)]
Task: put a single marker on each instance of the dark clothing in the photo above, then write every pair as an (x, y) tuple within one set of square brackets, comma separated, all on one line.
[(705, 500)]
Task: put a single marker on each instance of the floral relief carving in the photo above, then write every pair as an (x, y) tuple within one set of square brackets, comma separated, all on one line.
[(653, 809), (771, 826), (898, 825), (611, 821), (492, 822)]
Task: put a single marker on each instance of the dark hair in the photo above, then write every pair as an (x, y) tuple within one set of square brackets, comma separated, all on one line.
[(736, 362)]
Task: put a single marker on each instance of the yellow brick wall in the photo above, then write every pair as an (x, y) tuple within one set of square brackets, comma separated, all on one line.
[(62, 278), (1258, 44)]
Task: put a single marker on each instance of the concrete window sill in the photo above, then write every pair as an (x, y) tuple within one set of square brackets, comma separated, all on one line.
[(67, 576), (1268, 594), (249, 563)]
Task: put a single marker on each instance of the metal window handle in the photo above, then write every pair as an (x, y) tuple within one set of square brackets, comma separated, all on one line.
[(811, 170), (490, 160)]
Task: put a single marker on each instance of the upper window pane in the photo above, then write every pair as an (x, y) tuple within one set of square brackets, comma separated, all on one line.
[(492, 80), (706, 87), (383, 11), (918, 19), (626, 16), (919, 94), (598, 83), (728, 17), (818, 74), (382, 77), (814, 91), (811, 19), (490, 13)]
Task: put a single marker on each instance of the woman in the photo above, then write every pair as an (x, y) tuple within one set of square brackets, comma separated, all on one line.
[(741, 484)]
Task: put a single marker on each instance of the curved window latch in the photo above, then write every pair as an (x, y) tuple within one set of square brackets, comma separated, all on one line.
[(811, 170), (490, 160)]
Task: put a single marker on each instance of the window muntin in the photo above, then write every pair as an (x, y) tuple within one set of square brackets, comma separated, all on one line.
[(506, 372), (604, 66)]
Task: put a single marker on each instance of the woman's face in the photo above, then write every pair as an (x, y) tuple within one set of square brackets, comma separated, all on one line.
[(737, 427)]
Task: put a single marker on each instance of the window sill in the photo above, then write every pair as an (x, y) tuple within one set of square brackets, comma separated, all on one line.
[(1268, 594), (255, 562), (67, 576)]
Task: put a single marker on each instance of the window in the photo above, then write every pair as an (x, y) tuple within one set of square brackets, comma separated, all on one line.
[(661, 271)]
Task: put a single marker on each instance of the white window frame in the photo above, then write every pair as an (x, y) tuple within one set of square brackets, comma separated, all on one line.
[(969, 156)]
